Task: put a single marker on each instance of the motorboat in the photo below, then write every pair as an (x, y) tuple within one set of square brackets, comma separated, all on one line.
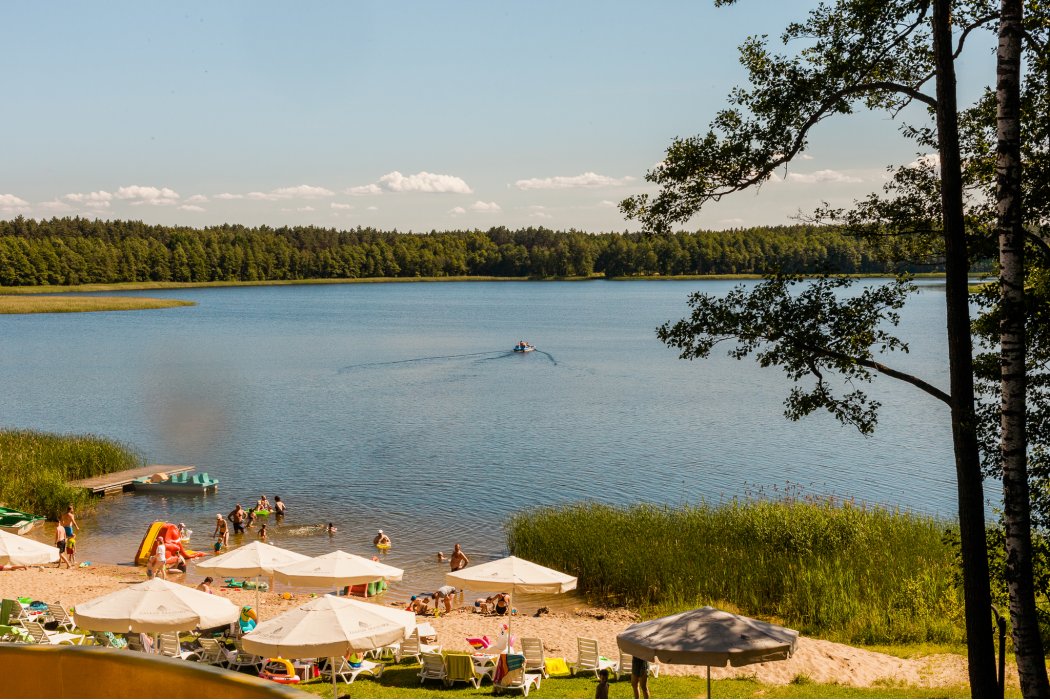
[(182, 482), (523, 346)]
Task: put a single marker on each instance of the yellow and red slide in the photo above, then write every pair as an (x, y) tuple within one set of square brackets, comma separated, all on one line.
[(169, 532)]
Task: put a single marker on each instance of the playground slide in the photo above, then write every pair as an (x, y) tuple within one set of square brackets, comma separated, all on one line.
[(146, 547), (169, 532)]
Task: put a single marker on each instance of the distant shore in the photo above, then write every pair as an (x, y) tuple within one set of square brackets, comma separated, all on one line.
[(135, 286)]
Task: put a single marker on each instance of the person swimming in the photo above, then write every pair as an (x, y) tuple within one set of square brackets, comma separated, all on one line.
[(381, 540)]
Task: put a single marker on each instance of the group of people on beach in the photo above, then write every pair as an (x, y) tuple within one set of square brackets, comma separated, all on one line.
[(65, 539)]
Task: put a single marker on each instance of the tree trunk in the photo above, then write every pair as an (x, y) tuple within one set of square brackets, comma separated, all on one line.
[(979, 640), (1028, 645)]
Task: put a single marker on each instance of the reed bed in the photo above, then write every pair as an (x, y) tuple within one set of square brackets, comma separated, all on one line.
[(829, 568), (71, 304), (35, 468)]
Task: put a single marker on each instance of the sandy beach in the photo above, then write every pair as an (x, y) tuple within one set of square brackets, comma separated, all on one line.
[(821, 661)]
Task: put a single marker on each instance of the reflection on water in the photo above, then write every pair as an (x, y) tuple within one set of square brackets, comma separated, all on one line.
[(402, 407)]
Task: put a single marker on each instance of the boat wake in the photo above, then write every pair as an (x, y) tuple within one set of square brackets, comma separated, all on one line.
[(431, 358)]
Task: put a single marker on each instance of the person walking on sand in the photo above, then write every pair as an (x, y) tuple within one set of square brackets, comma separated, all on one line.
[(69, 522), (60, 542), (459, 560)]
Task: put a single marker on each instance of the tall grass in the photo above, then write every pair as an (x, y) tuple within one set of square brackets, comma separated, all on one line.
[(69, 304), (35, 468), (849, 573)]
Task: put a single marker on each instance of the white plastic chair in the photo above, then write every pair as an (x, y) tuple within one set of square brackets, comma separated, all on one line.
[(623, 667), (414, 648), (588, 658), (243, 659), (432, 667), (345, 672), (42, 636), (58, 613), (535, 659), (518, 679), (213, 652), (169, 645)]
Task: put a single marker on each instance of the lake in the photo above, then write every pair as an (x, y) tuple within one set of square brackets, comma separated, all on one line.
[(401, 406)]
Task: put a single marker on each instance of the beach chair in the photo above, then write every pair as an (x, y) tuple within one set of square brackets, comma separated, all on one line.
[(432, 667), (213, 653), (346, 672), (414, 648), (40, 635), (58, 613), (10, 629), (169, 645), (460, 668), (242, 659), (623, 667), (513, 676), (535, 659), (588, 658)]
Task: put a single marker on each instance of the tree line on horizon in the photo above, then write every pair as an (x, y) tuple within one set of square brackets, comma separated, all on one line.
[(76, 250)]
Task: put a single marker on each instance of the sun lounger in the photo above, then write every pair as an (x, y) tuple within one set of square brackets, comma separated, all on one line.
[(242, 659), (42, 636), (461, 668), (511, 675), (535, 659), (588, 658), (414, 648), (213, 652), (346, 672), (432, 667), (58, 613), (623, 667), (170, 646)]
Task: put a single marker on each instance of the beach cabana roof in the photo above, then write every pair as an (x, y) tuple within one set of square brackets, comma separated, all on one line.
[(512, 575), (254, 559), (336, 568), (155, 606)]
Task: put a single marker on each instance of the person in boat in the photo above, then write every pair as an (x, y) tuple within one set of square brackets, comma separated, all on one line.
[(381, 539)]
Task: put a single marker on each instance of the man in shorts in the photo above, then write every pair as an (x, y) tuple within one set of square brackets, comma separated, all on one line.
[(69, 522), (640, 677), (237, 518), (60, 542)]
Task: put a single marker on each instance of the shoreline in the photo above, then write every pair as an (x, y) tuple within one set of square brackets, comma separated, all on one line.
[(138, 286), (818, 660)]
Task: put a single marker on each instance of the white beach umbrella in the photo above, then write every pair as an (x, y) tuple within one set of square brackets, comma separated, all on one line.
[(329, 626), (22, 551), (511, 575), (154, 607), (708, 637), (336, 568), (252, 560)]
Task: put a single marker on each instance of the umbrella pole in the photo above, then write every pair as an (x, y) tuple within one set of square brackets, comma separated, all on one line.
[(258, 612), (708, 683), (331, 665)]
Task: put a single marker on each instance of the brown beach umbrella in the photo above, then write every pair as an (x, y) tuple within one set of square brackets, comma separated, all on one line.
[(708, 637)]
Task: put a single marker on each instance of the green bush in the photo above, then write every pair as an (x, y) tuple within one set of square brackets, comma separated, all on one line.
[(845, 572), (36, 468)]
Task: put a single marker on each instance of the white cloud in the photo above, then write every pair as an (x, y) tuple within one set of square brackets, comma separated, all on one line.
[(363, 190), (94, 200), (55, 205), (822, 176), (930, 160), (156, 196), (9, 200), (540, 215), (731, 222), (337, 205), (606, 203), (562, 182), (229, 195), (302, 191), (196, 199), (456, 211), (424, 182), (373, 208), (485, 207), (306, 208), (191, 207), (805, 156), (263, 196)]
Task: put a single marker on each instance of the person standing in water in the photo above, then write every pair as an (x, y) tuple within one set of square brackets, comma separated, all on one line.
[(459, 560), (278, 506), (381, 540), (69, 522)]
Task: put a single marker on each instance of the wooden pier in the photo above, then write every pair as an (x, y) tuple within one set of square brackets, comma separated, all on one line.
[(118, 482)]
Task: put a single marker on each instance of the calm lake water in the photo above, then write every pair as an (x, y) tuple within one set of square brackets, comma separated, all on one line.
[(401, 407)]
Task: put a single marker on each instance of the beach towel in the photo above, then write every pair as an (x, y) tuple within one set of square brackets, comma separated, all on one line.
[(556, 666), (459, 667), (501, 669)]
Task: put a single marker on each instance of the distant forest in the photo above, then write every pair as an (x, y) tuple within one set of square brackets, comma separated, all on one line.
[(83, 251)]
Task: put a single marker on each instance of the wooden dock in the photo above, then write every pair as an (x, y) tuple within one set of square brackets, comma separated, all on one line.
[(118, 482)]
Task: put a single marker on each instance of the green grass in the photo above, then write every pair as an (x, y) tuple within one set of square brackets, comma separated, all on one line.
[(72, 304), (402, 681), (830, 569), (37, 467)]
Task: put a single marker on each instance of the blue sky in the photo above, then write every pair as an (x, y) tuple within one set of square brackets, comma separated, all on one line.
[(407, 115)]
